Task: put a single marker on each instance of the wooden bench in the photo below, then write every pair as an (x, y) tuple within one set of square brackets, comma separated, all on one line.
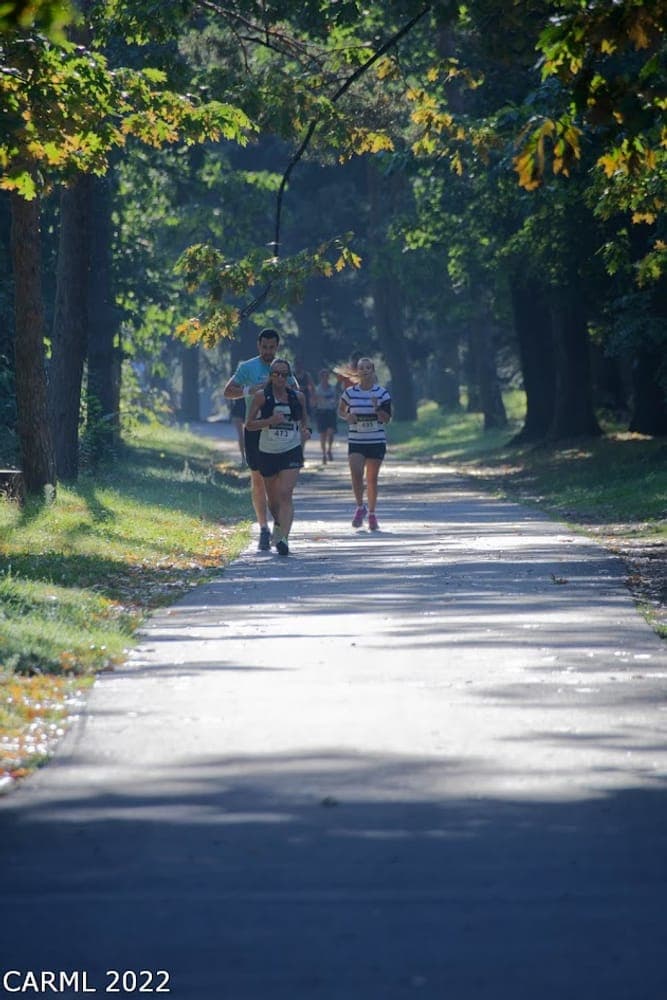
[(12, 485)]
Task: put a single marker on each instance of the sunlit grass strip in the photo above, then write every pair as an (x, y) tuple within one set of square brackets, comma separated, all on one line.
[(34, 714), (452, 436), (53, 629), (618, 478), (77, 575)]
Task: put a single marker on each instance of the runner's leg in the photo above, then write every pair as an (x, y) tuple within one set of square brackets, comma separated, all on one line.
[(259, 497), (285, 483), (357, 462), (239, 431), (372, 473)]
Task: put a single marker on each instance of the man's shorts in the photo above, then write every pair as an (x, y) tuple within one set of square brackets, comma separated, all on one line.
[(376, 451), (237, 409), (271, 464)]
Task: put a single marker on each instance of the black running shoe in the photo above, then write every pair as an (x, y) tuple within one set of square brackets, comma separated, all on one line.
[(264, 540), (282, 547)]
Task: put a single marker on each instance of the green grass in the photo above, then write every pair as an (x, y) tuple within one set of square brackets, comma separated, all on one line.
[(454, 436), (619, 478), (78, 574)]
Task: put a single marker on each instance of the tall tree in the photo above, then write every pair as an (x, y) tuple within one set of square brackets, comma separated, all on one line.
[(532, 322), (103, 352), (385, 195), (65, 111), (34, 427), (70, 324)]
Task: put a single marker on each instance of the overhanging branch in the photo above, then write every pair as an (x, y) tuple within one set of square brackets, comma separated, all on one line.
[(345, 86), (389, 44)]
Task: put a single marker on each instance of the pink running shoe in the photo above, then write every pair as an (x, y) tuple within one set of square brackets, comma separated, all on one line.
[(359, 515), (373, 523)]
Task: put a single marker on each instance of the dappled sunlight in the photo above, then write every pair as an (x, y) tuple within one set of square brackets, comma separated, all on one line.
[(445, 733)]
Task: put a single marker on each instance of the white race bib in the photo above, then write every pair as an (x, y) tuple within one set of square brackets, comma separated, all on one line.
[(281, 432), (282, 437), (366, 424)]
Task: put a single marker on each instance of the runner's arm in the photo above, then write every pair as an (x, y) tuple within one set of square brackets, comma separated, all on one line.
[(345, 412), (305, 419), (233, 390), (384, 413)]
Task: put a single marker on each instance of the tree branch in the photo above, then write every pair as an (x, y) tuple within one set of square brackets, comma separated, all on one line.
[(390, 43), (275, 41), (289, 46)]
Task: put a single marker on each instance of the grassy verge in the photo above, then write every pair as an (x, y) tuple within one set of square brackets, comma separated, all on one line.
[(78, 575), (614, 488)]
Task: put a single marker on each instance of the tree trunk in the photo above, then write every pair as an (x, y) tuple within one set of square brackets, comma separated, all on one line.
[(471, 373), (532, 323), (649, 405), (573, 407), (483, 357), (649, 374), (608, 388), (388, 294), (388, 309), (8, 441), (34, 427), (443, 375), (70, 325), (103, 381), (190, 383), (6, 311)]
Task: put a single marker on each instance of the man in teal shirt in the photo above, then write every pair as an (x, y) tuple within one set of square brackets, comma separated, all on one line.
[(249, 377)]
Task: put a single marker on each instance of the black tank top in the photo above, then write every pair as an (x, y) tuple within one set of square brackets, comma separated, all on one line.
[(296, 410)]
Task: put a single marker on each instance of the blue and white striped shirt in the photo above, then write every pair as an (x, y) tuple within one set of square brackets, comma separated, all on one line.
[(363, 404)]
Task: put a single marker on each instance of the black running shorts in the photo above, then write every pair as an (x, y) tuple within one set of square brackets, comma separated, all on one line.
[(376, 451), (271, 465), (327, 420)]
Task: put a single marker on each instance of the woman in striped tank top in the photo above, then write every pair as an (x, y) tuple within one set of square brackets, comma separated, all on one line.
[(366, 407)]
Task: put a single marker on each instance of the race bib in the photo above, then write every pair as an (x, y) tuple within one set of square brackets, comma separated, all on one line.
[(282, 432), (282, 437), (367, 424)]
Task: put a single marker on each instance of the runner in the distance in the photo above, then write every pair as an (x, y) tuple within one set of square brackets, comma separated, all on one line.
[(326, 414), (366, 406), (250, 376), (278, 414)]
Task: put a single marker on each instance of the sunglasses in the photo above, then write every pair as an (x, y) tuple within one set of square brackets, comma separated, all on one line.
[(283, 374)]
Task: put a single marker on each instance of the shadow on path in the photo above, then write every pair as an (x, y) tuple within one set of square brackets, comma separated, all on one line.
[(274, 877), (430, 762)]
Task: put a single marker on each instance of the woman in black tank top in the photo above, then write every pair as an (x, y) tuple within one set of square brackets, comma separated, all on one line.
[(279, 414)]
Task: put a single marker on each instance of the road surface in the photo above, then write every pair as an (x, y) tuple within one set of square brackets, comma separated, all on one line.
[(429, 762)]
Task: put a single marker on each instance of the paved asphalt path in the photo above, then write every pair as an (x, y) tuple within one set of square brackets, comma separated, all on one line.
[(429, 763)]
